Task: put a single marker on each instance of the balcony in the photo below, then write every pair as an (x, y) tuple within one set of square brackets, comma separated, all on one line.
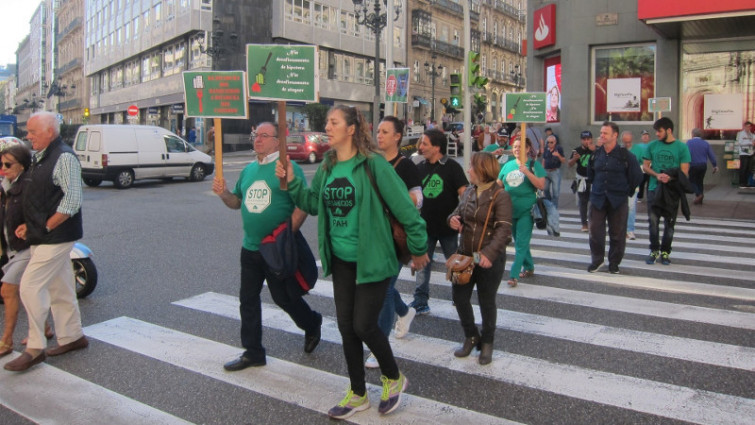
[(70, 27), (70, 104), (69, 66), (426, 41), (506, 8)]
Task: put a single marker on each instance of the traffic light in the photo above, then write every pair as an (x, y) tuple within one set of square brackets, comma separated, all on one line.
[(474, 79), (456, 92), (86, 112)]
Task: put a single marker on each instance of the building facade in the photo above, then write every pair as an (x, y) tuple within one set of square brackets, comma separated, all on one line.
[(437, 39), (67, 89), (32, 55), (607, 60)]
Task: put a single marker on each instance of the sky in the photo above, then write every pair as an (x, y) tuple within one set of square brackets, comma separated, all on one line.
[(14, 26)]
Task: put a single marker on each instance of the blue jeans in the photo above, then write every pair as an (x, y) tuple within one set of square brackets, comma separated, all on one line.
[(553, 185), (392, 305), (448, 244), (254, 271), (632, 214)]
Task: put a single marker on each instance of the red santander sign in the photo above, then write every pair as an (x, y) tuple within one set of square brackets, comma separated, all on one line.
[(544, 27), (133, 110)]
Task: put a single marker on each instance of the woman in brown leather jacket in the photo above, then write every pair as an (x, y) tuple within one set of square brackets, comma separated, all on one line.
[(488, 250)]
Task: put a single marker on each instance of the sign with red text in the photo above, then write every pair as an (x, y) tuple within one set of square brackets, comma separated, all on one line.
[(544, 27), (283, 72), (215, 94)]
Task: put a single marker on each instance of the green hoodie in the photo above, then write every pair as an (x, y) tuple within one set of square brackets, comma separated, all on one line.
[(376, 257)]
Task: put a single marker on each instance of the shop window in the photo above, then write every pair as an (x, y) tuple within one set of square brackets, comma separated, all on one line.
[(623, 79)]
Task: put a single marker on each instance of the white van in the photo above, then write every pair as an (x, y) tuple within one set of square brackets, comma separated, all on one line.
[(124, 153)]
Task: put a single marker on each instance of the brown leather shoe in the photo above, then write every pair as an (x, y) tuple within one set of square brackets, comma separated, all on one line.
[(62, 349), (24, 361)]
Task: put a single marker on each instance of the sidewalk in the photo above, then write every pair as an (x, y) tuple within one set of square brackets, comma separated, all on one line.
[(721, 201)]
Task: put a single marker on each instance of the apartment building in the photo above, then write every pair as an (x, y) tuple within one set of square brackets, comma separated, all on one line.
[(67, 91), (497, 31), (31, 56)]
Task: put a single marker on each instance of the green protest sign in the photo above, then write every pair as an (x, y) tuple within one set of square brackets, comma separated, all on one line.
[(215, 94), (525, 107), (396, 85), (283, 72)]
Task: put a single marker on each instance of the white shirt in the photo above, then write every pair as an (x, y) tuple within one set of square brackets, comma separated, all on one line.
[(744, 141)]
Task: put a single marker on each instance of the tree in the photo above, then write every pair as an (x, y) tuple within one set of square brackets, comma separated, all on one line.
[(317, 115)]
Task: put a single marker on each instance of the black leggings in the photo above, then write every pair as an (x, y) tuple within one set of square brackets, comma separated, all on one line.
[(357, 311)]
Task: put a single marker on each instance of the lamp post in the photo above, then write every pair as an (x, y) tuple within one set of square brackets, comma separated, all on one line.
[(218, 47), (376, 21), (58, 90), (433, 71), (516, 75)]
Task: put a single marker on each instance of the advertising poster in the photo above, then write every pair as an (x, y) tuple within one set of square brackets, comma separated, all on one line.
[(397, 85), (214, 94), (553, 92), (723, 111), (624, 94), (283, 72)]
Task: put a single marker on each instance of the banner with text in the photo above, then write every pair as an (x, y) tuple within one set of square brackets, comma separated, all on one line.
[(525, 107), (283, 72), (215, 94), (397, 85)]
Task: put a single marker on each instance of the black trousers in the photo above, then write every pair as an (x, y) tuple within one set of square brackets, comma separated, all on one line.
[(487, 282), (357, 311), (696, 177), (254, 271), (617, 232), (745, 169)]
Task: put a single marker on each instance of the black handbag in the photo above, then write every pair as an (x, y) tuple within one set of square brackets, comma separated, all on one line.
[(397, 229)]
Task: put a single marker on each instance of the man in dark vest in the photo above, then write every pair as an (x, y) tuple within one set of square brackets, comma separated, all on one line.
[(52, 215)]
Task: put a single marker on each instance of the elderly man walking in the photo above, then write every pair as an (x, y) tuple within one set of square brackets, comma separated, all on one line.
[(52, 215), (700, 153)]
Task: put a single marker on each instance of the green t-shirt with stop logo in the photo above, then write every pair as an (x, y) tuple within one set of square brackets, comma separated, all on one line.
[(264, 206), (665, 156), (340, 198)]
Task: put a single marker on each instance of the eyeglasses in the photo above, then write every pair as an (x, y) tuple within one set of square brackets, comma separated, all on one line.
[(9, 164), (265, 135)]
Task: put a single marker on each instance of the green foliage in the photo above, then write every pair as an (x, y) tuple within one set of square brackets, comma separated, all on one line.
[(317, 115)]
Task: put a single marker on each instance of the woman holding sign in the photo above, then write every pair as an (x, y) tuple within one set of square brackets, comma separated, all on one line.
[(356, 246)]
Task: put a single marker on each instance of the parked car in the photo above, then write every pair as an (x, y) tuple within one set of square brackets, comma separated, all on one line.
[(124, 153), (308, 146)]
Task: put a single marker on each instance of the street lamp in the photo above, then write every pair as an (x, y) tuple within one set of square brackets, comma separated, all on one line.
[(516, 75), (433, 71), (376, 21), (58, 90), (218, 47)]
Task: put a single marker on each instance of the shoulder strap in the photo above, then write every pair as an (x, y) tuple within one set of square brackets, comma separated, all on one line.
[(400, 157), (374, 186), (487, 218)]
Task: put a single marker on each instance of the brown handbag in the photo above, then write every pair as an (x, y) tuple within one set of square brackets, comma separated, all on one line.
[(459, 267)]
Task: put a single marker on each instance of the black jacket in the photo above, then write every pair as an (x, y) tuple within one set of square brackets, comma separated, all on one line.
[(12, 214), (668, 195)]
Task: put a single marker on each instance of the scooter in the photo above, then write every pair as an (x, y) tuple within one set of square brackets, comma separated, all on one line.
[(84, 270)]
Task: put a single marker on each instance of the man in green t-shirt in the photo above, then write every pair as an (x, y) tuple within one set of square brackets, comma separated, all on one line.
[(638, 150), (264, 206), (661, 158)]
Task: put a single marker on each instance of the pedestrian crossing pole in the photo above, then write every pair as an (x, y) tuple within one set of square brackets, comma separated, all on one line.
[(218, 148)]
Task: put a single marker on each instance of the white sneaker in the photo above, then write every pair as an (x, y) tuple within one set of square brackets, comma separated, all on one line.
[(630, 235), (371, 362), (403, 323)]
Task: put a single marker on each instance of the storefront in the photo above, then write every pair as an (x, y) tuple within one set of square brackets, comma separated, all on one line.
[(606, 60)]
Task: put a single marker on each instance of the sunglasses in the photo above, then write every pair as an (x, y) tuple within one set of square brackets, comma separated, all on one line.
[(9, 164)]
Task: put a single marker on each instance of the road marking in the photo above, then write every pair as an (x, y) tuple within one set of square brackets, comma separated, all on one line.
[(696, 223), (662, 309), (280, 379), (47, 395), (626, 392)]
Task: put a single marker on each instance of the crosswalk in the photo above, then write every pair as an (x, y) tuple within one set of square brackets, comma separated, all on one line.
[(655, 344)]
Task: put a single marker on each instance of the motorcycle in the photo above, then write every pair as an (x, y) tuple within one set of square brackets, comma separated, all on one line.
[(84, 270)]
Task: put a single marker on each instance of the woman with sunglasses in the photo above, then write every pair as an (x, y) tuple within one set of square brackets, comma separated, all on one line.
[(356, 247), (15, 159)]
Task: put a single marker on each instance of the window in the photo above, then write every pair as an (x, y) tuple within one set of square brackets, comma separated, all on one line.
[(623, 80), (136, 28), (415, 71), (158, 9)]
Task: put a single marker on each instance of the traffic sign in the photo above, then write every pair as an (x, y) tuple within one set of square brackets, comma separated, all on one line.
[(133, 110)]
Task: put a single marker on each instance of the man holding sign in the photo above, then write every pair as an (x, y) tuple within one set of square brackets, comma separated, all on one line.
[(264, 206)]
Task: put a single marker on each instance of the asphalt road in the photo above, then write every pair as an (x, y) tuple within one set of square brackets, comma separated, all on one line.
[(656, 344)]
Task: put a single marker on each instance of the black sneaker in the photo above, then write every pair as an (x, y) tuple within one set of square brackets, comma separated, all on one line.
[(652, 257), (312, 338), (592, 268), (613, 269)]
